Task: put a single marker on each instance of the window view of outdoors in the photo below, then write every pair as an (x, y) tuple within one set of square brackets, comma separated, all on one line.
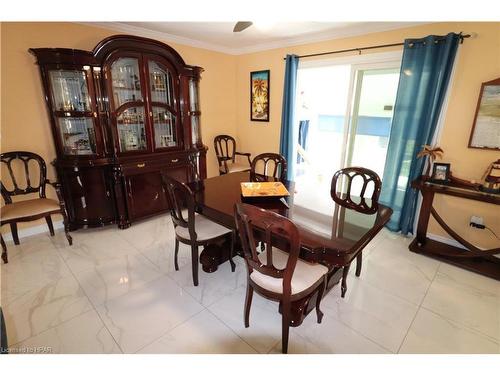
[(327, 140)]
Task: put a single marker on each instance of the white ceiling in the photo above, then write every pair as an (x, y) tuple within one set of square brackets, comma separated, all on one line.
[(219, 36)]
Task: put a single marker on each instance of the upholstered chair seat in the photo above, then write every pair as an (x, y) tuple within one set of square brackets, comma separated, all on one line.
[(29, 207), (205, 229), (304, 276), (234, 167)]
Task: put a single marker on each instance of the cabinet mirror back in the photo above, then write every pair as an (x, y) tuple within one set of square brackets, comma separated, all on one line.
[(121, 115)]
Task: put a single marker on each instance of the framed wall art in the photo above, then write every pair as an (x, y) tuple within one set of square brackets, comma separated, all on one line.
[(485, 132), (259, 95)]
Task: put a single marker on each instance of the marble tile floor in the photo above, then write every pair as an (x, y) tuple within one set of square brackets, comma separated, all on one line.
[(116, 291)]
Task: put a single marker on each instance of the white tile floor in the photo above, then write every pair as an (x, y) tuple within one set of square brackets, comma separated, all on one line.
[(116, 291)]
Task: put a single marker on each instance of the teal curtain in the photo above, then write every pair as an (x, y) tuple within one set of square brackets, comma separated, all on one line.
[(425, 74), (287, 138)]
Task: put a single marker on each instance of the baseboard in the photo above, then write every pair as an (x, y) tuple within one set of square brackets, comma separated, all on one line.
[(445, 240), (31, 231), (452, 242)]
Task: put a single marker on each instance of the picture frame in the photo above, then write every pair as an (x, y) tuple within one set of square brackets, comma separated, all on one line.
[(259, 95), (485, 133), (440, 173)]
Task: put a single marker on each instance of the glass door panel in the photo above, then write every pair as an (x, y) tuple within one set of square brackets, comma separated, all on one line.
[(69, 90), (161, 84), (164, 128), (194, 108), (77, 135), (131, 129), (126, 82), (372, 118)]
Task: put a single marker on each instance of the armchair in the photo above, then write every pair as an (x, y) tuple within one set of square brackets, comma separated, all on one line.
[(225, 149), (30, 209)]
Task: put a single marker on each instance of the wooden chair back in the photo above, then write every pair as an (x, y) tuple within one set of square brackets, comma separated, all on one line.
[(34, 179), (180, 198), (225, 148), (269, 227), (268, 165), (342, 193)]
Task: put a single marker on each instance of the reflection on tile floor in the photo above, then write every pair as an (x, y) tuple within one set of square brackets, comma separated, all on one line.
[(117, 291)]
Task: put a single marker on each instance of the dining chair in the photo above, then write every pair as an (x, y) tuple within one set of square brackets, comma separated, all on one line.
[(33, 181), (190, 227), (268, 165), (225, 149), (276, 274), (358, 189)]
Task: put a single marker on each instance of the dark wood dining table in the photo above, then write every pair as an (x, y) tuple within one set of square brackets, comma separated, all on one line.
[(330, 234)]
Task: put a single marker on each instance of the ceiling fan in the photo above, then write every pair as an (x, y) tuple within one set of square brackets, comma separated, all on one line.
[(241, 25)]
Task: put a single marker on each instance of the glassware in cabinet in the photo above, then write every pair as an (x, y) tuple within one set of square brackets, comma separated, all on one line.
[(77, 135), (164, 128), (131, 130)]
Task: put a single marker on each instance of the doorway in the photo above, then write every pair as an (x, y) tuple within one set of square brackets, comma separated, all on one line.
[(343, 116)]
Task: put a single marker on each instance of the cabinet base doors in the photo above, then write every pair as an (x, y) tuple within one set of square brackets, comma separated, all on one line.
[(144, 192), (88, 195)]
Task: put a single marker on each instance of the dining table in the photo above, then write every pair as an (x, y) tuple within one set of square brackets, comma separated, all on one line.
[(330, 233)]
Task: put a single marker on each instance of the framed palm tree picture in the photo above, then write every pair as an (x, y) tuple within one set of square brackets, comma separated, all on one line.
[(259, 95)]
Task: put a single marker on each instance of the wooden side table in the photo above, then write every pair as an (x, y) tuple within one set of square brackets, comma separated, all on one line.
[(472, 258)]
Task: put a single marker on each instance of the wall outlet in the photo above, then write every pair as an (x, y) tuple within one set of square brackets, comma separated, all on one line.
[(476, 220)]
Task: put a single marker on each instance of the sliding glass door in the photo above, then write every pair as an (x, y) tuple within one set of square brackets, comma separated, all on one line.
[(343, 117)]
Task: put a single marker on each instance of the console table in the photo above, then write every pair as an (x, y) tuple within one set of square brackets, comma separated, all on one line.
[(472, 258)]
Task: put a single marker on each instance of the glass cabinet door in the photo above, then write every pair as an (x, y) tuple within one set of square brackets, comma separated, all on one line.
[(161, 84), (163, 106), (73, 110), (126, 82), (164, 128), (129, 105), (77, 135), (132, 130), (194, 111), (69, 90)]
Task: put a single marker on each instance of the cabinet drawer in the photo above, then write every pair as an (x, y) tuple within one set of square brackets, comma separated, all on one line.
[(150, 165)]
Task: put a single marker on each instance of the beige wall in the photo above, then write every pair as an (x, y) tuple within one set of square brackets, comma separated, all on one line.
[(24, 121), (225, 98), (478, 61)]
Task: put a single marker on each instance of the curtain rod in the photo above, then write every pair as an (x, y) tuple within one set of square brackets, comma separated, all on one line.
[(359, 49)]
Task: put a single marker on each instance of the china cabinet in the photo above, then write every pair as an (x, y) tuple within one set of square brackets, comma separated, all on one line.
[(121, 115)]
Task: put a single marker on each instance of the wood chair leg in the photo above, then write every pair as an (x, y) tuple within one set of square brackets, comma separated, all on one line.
[(248, 304), (176, 253), (4, 250), (359, 263), (285, 326), (48, 219), (345, 272), (231, 251), (13, 230), (194, 263), (321, 291)]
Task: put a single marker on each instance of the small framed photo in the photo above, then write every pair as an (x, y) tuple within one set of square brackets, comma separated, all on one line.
[(441, 173), (259, 95)]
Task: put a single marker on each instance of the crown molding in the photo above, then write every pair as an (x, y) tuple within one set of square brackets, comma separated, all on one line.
[(325, 36), (355, 30), (164, 37)]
